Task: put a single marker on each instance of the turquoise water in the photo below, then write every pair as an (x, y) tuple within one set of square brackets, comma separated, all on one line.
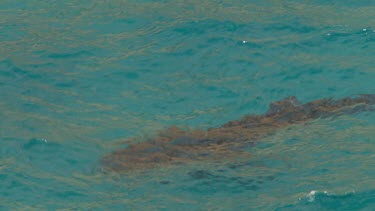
[(77, 78)]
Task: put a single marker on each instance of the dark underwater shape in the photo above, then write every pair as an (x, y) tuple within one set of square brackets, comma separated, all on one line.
[(176, 146)]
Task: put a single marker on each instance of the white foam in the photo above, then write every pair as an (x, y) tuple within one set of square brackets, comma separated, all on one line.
[(311, 196)]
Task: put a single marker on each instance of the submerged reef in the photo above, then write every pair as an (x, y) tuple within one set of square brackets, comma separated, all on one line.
[(176, 146)]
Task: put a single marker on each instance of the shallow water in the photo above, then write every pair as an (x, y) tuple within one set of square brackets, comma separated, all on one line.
[(77, 78)]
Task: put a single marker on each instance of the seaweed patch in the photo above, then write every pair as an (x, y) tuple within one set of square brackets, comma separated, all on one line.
[(175, 146)]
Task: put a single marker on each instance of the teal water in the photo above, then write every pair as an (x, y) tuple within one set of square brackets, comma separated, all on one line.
[(77, 78)]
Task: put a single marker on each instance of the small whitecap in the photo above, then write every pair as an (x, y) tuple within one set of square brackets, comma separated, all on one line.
[(244, 41), (311, 196), (364, 30)]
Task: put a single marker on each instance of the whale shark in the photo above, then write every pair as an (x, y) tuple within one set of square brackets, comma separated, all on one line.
[(175, 146)]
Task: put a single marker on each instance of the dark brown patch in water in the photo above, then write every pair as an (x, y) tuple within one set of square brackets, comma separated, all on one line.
[(176, 146)]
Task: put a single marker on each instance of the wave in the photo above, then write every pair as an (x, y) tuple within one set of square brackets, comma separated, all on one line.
[(325, 200)]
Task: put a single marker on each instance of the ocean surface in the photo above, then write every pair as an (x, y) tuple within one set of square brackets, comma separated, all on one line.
[(78, 79)]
